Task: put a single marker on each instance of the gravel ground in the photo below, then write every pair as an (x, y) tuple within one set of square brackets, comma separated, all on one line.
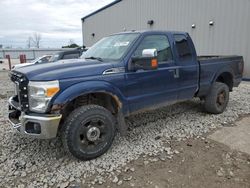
[(196, 163), (26, 162)]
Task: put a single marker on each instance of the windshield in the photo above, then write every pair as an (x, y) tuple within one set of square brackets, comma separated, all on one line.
[(111, 48), (35, 60), (54, 58)]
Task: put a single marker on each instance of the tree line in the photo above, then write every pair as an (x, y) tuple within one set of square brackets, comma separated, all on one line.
[(35, 41)]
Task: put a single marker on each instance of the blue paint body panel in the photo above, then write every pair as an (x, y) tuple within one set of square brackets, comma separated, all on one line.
[(173, 81)]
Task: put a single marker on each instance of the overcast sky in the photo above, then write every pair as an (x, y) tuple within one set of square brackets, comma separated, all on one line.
[(58, 21)]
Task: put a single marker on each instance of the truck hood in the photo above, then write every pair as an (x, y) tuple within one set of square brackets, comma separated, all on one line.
[(22, 65), (65, 69)]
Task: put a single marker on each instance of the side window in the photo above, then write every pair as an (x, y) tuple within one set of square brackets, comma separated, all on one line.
[(159, 42), (44, 60), (71, 56), (182, 46)]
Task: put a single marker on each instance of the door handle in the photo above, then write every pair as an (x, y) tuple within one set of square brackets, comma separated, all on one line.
[(176, 72)]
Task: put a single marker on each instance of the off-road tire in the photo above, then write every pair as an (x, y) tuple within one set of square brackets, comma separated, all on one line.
[(75, 123), (212, 105)]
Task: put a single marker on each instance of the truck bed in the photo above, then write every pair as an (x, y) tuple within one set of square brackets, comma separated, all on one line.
[(211, 65)]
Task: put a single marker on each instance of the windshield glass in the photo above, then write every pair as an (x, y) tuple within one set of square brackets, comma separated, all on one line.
[(35, 60), (54, 58), (111, 48)]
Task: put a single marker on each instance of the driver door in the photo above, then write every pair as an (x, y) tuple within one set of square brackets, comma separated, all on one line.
[(152, 88)]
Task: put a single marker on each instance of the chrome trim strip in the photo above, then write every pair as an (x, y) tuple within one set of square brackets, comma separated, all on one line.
[(40, 118), (15, 126), (10, 101), (114, 71)]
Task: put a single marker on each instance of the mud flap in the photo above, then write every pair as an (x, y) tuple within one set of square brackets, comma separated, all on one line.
[(122, 126)]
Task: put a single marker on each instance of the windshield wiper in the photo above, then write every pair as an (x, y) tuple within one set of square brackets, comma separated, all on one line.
[(95, 58)]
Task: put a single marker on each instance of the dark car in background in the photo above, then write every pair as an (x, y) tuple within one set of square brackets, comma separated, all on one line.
[(69, 54), (39, 60)]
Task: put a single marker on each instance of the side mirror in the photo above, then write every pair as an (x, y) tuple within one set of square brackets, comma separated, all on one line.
[(149, 53), (148, 61)]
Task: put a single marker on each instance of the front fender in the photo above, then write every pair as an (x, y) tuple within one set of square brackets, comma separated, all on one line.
[(88, 87)]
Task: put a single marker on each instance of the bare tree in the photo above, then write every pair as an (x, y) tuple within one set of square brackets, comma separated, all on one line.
[(71, 41), (36, 39), (29, 41)]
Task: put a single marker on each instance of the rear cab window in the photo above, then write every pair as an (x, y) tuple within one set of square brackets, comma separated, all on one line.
[(183, 48)]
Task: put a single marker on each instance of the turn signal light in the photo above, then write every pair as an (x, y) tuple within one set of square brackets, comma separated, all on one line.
[(52, 91), (154, 63)]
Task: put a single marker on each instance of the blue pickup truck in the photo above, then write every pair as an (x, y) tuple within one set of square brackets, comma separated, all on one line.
[(85, 101)]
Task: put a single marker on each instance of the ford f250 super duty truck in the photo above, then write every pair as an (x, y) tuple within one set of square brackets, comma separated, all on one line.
[(84, 101)]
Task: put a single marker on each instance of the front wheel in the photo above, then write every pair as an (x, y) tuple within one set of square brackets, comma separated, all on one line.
[(217, 99), (88, 132)]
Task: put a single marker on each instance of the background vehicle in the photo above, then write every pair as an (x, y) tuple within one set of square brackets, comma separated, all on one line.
[(42, 59), (86, 100), (69, 54)]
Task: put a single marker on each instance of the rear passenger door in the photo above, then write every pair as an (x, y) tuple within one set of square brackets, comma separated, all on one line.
[(188, 66)]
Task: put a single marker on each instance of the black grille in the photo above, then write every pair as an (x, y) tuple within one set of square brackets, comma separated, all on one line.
[(16, 77), (22, 89)]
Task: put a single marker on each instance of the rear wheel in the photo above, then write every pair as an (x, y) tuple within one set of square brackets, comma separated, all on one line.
[(88, 132), (217, 99)]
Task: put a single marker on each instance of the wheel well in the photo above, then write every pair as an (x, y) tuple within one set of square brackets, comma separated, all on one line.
[(106, 100), (227, 79)]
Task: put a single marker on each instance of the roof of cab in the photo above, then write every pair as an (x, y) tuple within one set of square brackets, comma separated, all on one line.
[(150, 31)]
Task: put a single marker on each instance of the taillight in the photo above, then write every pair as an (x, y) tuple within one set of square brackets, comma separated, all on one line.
[(241, 67)]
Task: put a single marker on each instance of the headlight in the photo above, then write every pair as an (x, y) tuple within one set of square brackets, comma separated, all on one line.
[(40, 94)]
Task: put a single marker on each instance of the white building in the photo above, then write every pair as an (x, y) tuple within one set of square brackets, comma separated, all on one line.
[(217, 27)]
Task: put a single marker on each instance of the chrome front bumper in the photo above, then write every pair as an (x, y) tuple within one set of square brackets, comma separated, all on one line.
[(42, 126)]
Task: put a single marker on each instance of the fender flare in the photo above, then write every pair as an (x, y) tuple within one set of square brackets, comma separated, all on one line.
[(221, 71), (88, 87)]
